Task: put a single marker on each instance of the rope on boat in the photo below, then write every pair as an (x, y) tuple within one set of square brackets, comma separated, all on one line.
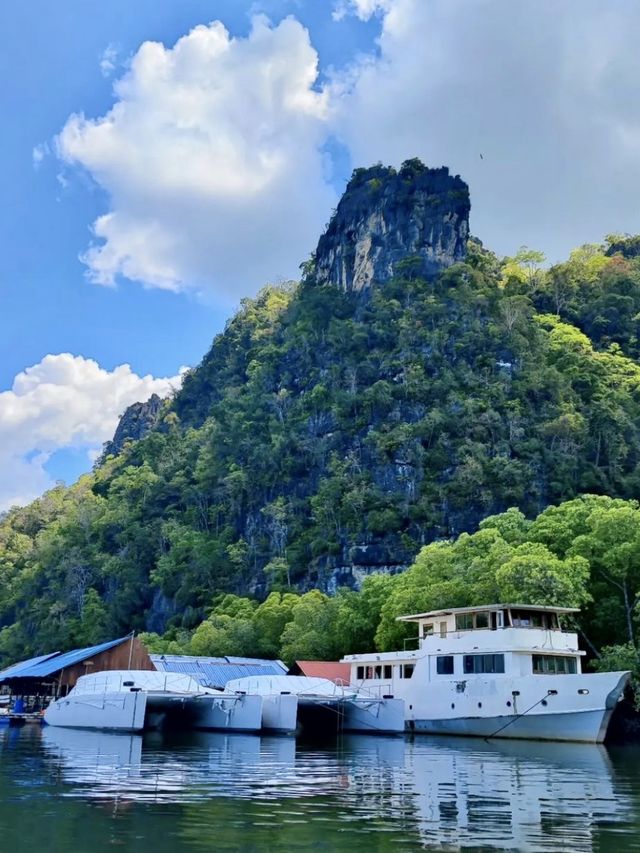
[(519, 716)]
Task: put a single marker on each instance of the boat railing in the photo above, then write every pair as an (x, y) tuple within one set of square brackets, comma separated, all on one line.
[(371, 692), (408, 641)]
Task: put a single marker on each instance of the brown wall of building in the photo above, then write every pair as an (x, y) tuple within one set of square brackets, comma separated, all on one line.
[(128, 655)]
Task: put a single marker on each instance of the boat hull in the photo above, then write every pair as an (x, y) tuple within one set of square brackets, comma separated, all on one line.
[(280, 713), (580, 726), (110, 711), (386, 715), (137, 710), (563, 708), (229, 713)]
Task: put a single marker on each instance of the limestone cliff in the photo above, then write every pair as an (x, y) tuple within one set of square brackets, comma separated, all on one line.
[(137, 420), (417, 215)]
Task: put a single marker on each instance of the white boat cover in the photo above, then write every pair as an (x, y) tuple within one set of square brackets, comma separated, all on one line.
[(123, 680), (298, 685)]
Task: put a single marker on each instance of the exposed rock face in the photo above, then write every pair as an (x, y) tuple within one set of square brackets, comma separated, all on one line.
[(137, 420), (417, 215)]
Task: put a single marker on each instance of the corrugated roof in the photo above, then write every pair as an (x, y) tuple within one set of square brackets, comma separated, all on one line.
[(216, 672), (25, 664), (339, 673), (49, 664)]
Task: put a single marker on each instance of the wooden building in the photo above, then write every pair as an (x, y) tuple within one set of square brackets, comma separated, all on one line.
[(53, 675)]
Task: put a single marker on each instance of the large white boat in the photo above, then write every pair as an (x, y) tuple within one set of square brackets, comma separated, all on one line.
[(501, 670), (132, 700)]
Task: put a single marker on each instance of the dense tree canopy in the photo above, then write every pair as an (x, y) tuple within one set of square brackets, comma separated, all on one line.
[(327, 435)]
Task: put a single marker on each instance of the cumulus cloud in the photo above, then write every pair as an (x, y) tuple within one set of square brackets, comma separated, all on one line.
[(62, 402), (213, 157), (545, 91), (364, 9), (212, 161)]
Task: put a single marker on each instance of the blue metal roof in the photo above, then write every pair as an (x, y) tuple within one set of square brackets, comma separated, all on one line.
[(216, 672), (48, 664), (15, 668)]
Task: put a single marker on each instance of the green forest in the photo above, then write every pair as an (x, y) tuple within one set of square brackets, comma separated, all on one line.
[(468, 438)]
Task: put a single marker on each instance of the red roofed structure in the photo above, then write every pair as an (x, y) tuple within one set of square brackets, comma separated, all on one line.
[(339, 673)]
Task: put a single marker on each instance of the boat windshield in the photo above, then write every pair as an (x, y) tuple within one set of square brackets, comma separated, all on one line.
[(534, 619)]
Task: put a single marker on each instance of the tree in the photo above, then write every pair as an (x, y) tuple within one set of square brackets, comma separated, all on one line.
[(534, 575), (612, 546), (311, 635)]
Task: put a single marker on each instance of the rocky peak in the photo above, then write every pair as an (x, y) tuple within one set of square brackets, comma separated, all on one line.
[(386, 216), (137, 420)]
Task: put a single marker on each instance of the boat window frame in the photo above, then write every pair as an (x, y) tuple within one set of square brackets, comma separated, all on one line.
[(469, 621), (570, 665), (484, 664), (445, 665)]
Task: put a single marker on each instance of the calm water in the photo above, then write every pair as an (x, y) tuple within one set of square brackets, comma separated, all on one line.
[(63, 790)]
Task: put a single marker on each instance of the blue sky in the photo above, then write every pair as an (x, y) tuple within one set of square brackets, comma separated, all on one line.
[(49, 68), (171, 181)]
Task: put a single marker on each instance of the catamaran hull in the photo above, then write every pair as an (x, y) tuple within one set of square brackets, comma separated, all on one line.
[(280, 713), (138, 710), (238, 714), (381, 716), (580, 726), (123, 712)]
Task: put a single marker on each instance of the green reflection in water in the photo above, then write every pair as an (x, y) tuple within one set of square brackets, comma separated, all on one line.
[(63, 790)]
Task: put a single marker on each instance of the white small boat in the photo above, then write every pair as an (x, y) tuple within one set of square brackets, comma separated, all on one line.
[(132, 700), (320, 705), (501, 670)]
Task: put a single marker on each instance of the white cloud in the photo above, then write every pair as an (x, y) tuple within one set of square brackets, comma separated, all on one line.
[(545, 91), (364, 9), (64, 401), (212, 155), (109, 59), (39, 152), (211, 158)]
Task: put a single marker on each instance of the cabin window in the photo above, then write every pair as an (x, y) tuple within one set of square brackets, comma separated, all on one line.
[(406, 670), (360, 673), (482, 620), (554, 665), (427, 630), (464, 621), (388, 671), (444, 665), (471, 621), (532, 619), (474, 664)]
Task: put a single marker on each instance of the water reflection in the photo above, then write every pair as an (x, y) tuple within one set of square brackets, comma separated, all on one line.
[(273, 793)]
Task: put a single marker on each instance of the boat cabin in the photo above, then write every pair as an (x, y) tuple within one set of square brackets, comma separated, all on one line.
[(495, 640), (491, 617)]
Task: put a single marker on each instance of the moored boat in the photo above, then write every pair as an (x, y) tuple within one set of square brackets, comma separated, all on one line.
[(321, 705), (502, 670), (132, 700)]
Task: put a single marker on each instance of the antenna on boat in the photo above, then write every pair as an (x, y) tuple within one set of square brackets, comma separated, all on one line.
[(133, 633)]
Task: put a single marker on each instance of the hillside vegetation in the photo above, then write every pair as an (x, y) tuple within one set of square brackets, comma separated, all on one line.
[(329, 435)]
